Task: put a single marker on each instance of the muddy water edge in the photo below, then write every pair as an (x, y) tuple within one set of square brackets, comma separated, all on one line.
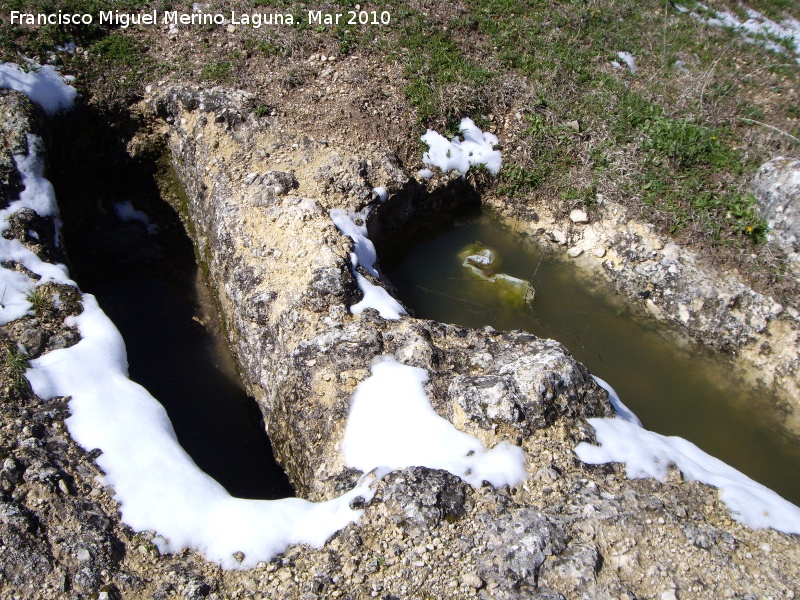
[(147, 281), (675, 387)]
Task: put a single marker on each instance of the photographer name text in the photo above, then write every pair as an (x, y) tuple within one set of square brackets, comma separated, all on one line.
[(173, 18)]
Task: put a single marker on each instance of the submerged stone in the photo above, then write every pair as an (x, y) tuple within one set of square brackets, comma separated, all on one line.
[(483, 262)]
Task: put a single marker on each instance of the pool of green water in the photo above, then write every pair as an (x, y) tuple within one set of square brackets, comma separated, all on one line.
[(674, 388)]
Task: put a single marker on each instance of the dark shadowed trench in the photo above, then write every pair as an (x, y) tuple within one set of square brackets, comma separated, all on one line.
[(148, 282)]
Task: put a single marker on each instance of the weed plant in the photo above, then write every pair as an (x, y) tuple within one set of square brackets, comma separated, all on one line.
[(41, 302)]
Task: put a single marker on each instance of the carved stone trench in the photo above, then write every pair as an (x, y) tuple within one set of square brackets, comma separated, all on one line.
[(258, 197), (257, 204)]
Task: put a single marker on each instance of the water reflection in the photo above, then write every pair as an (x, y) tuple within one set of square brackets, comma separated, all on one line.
[(673, 388)]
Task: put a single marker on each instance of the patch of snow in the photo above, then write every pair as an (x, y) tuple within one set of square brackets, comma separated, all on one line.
[(622, 411), (126, 212), (43, 85), (38, 195), (69, 47), (680, 67), (392, 424), (756, 29), (627, 58), (354, 226), (382, 194), (364, 255), (648, 454), (157, 484), (376, 297), (477, 148), (425, 173)]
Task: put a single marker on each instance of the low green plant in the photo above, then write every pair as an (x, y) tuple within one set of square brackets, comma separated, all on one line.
[(119, 49), (686, 144), (217, 71), (516, 180), (41, 302), (15, 363)]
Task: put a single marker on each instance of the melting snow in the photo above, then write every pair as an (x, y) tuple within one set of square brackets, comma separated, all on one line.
[(757, 29), (477, 148), (648, 454), (157, 484), (381, 192), (374, 295), (393, 425), (627, 58), (126, 212), (43, 85), (39, 196)]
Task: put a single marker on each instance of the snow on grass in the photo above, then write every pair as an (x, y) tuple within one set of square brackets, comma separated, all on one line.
[(354, 226), (157, 484), (392, 424), (648, 454), (628, 59), (756, 29), (126, 212), (43, 85), (477, 148)]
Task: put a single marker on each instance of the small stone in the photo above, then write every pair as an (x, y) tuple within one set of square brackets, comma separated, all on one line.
[(472, 580), (83, 555), (599, 251), (578, 216), (575, 252), (238, 556), (574, 125), (558, 237)]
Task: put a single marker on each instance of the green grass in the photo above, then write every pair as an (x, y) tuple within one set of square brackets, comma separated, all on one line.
[(217, 71), (119, 49), (41, 302), (432, 63), (15, 363)]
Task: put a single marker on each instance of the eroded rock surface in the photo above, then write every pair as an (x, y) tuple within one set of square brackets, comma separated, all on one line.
[(777, 189), (283, 276), (493, 385)]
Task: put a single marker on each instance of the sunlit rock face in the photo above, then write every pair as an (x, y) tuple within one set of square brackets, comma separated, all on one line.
[(777, 189)]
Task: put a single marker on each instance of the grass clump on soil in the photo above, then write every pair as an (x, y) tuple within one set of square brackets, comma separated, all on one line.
[(41, 302), (14, 363), (217, 71), (666, 141), (40, 40)]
